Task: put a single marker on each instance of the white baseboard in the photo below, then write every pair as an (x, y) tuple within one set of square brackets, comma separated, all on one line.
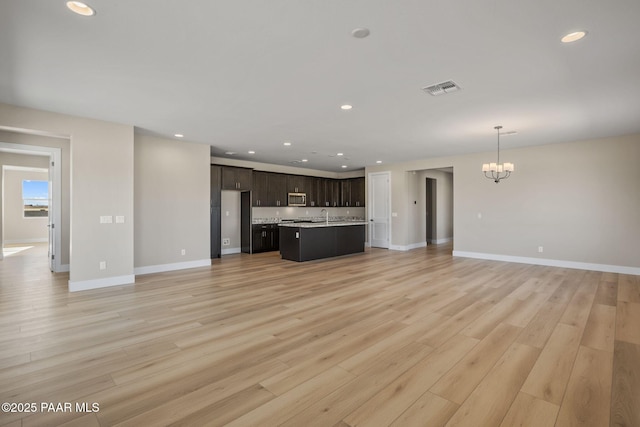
[(231, 251), (172, 267), (443, 240), (64, 268), (408, 247), (85, 285), (417, 245), (398, 248), (21, 241), (551, 262)]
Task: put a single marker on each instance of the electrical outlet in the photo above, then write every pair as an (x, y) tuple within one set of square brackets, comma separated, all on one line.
[(226, 242), (540, 249), (103, 265), (183, 252)]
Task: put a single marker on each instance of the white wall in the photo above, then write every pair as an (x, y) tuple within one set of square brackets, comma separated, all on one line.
[(578, 200), (171, 204), (18, 228)]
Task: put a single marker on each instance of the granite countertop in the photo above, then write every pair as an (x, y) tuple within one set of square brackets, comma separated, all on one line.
[(306, 220), (322, 224)]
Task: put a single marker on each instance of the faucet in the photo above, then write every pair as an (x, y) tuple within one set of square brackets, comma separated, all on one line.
[(326, 215)]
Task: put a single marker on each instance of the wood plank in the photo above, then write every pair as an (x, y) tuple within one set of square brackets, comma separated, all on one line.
[(428, 410), (587, 401), (529, 411), (625, 389), (285, 406), (549, 376), (579, 307), (491, 400), (599, 333), (542, 325), (496, 314), (394, 399), (607, 293), (628, 288), (457, 384), (628, 321), (336, 406)]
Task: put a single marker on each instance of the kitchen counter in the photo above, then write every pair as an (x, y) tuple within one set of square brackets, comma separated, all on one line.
[(316, 240), (313, 224)]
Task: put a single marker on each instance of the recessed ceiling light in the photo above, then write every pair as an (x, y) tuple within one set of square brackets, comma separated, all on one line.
[(230, 153), (251, 152), (305, 160), (80, 8), (340, 154), (360, 33), (344, 166), (287, 143), (346, 107), (573, 37), (178, 135), (378, 161)]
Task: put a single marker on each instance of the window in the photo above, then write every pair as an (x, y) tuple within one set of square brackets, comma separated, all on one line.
[(35, 197)]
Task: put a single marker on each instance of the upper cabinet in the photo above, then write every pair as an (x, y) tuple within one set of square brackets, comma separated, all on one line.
[(298, 184), (357, 192), (352, 192), (240, 179), (269, 189)]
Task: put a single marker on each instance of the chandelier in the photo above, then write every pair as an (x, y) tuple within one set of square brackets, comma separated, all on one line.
[(497, 171)]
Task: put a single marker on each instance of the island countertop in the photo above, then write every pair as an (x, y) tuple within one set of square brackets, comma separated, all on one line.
[(320, 224)]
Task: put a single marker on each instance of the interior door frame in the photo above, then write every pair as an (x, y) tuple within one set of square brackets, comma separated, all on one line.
[(370, 205), (55, 175), (431, 208)]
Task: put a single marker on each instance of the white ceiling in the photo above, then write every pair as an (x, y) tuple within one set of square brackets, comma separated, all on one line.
[(248, 75)]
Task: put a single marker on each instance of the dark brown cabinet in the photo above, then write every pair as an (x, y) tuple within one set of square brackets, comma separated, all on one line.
[(352, 192), (358, 192), (328, 192), (333, 193), (313, 193), (233, 178), (265, 238), (298, 184), (269, 189)]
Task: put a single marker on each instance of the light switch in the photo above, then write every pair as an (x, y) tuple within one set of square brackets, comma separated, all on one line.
[(119, 219), (394, 214), (106, 219)]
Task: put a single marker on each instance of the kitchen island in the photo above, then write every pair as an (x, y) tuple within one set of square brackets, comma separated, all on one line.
[(316, 240)]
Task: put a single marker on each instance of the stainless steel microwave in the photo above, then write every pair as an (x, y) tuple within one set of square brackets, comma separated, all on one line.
[(297, 199)]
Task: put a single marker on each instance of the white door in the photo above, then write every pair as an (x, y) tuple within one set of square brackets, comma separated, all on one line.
[(379, 209)]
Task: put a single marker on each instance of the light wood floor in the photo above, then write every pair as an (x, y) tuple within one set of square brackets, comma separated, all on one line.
[(386, 338)]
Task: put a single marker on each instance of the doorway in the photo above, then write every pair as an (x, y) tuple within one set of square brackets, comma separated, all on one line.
[(431, 209), (434, 189), (54, 236)]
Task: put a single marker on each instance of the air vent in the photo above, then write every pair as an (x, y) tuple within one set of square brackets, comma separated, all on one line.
[(442, 88)]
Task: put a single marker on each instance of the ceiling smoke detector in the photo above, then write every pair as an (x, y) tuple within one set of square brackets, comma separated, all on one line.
[(442, 88)]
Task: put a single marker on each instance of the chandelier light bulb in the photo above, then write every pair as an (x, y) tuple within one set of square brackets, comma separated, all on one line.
[(498, 171)]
